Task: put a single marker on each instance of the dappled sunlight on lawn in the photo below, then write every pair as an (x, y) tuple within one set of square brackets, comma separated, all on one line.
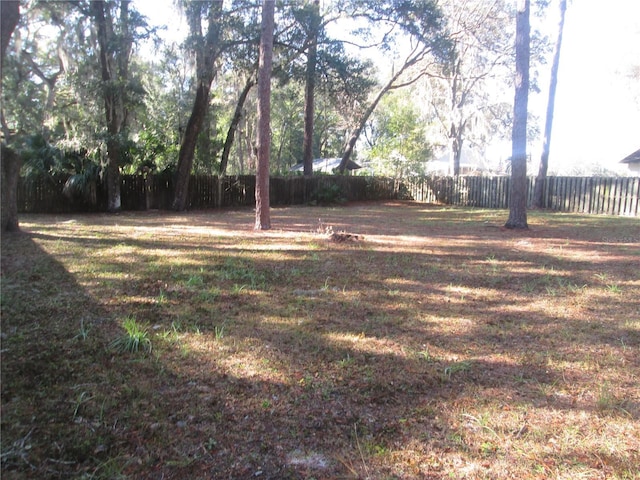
[(364, 344), (424, 343)]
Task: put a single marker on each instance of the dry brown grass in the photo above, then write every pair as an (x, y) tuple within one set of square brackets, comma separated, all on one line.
[(384, 340)]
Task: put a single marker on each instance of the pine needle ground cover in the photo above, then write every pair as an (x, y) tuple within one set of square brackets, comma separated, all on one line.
[(383, 340)]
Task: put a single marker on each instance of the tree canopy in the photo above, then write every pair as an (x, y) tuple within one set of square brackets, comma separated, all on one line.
[(390, 82)]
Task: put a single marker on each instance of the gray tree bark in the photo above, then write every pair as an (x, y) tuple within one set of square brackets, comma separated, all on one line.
[(538, 200), (114, 62), (518, 199), (233, 127), (309, 93)]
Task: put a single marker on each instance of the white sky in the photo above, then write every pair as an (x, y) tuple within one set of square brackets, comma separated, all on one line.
[(597, 114)]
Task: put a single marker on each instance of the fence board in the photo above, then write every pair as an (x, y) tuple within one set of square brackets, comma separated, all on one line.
[(606, 197), (635, 197), (602, 195), (593, 195), (581, 195)]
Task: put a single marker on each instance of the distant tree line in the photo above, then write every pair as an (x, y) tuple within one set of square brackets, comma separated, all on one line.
[(80, 95)]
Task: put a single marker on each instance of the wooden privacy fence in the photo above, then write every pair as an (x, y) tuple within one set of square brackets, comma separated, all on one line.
[(46, 194), (611, 196), (598, 195)]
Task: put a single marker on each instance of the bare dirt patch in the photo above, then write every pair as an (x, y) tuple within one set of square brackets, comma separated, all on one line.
[(427, 342)]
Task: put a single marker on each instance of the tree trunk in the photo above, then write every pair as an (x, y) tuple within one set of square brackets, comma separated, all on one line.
[(235, 121), (9, 18), (538, 200), (413, 58), (309, 92), (50, 83), (114, 200), (206, 54), (188, 147), (455, 140), (10, 161), (518, 200), (455, 131), (263, 217), (114, 61), (346, 155)]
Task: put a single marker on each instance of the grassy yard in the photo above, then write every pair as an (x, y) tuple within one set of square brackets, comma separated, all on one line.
[(428, 343)]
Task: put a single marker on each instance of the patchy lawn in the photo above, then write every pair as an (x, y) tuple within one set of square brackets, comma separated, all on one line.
[(383, 340)]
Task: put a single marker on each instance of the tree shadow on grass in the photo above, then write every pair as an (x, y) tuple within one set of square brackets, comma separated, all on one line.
[(306, 394), (272, 379), (66, 395), (73, 407)]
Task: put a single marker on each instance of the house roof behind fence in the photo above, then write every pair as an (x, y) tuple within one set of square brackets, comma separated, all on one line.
[(326, 165), (633, 158)]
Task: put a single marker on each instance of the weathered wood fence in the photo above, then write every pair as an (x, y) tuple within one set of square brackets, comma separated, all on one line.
[(611, 196), (599, 195), (46, 194)]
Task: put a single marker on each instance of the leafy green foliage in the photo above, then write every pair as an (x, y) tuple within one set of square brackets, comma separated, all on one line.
[(56, 90), (329, 195), (396, 134)]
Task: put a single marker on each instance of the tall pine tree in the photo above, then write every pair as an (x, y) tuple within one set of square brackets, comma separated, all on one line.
[(263, 217), (518, 198)]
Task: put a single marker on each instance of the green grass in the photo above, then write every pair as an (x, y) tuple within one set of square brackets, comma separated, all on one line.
[(135, 337), (432, 347)]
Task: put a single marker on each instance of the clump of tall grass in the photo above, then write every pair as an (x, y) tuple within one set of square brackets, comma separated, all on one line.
[(134, 338)]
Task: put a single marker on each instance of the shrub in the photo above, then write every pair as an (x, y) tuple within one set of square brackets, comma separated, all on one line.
[(329, 194)]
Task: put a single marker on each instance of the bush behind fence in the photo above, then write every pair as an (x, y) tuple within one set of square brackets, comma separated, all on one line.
[(611, 196)]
